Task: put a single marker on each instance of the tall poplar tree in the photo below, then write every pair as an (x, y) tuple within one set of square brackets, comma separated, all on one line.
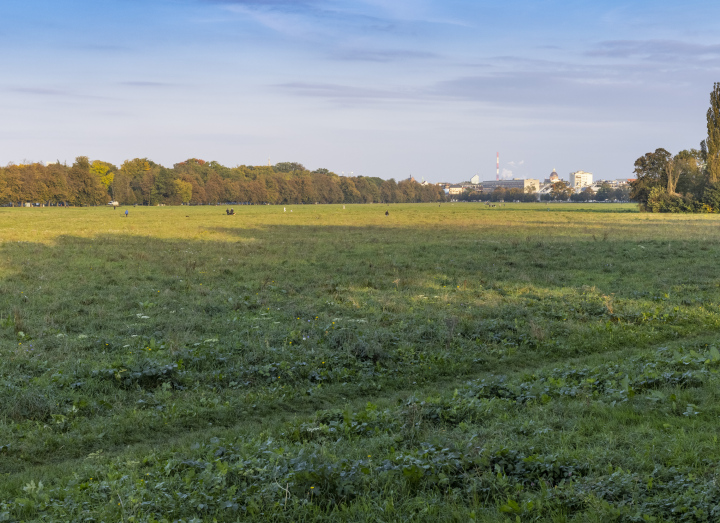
[(713, 139)]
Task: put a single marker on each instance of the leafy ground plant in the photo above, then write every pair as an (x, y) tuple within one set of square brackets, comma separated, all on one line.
[(452, 363)]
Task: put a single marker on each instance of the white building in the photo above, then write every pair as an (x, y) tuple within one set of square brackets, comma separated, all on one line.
[(529, 184), (580, 179), (475, 180)]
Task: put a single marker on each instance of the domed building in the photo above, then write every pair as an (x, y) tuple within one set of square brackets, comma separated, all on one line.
[(553, 177)]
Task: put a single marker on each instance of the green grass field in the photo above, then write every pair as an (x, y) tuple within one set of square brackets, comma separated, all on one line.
[(443, 363)]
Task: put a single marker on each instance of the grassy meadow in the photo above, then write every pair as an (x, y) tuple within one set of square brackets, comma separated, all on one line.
[(450, 362)]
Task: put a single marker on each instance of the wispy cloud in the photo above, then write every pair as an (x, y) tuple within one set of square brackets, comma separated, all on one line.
[(146, 84), (599, 90), (40, 91), (382, 55), (654, 49), (313, 21), (53, 93), (339, 92), (338, 19)]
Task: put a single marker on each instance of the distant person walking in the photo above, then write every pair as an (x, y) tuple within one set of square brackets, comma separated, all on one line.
[(126, 213), (387, 213)]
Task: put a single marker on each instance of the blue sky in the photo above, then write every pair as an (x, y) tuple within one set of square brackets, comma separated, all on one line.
[(378, 88)]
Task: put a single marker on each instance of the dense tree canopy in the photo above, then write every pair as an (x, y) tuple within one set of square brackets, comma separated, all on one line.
[(688, 181), (713, 137), (650, 171), (195, 181)]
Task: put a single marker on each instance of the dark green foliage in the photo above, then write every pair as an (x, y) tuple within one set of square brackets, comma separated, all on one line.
[(146, 375), (712, 143), (650, 172)]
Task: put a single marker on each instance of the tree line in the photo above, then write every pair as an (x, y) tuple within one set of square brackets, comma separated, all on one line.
[(143, 182), (605, 193), (561, 191), (688, 181)]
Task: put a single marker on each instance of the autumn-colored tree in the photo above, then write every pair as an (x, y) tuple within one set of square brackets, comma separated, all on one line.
[(561, 191), (350, 192), (288, 191), (56, 182), (198, 191), (214, 189), (369, 191), (327, 188), (257, 192), (32, 181), (272, 187), (10, 185), (85, 187), (121, 189), (141, 180), (389, 192), (183, 190), (105, 172), (306, 190), (407, 189), (136, 168)]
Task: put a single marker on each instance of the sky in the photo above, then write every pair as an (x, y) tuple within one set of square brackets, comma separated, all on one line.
[(428, 88)]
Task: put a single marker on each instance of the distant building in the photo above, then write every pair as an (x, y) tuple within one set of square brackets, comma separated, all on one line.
[(580, 179), (554, 178), (475, 180), (454, 190), (515, 183), (612, 183)]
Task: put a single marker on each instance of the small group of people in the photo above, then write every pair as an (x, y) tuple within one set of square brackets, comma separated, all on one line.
[(230, 212)]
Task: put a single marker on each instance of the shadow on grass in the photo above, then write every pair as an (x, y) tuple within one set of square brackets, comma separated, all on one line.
[(106, 284), (385, 299)]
